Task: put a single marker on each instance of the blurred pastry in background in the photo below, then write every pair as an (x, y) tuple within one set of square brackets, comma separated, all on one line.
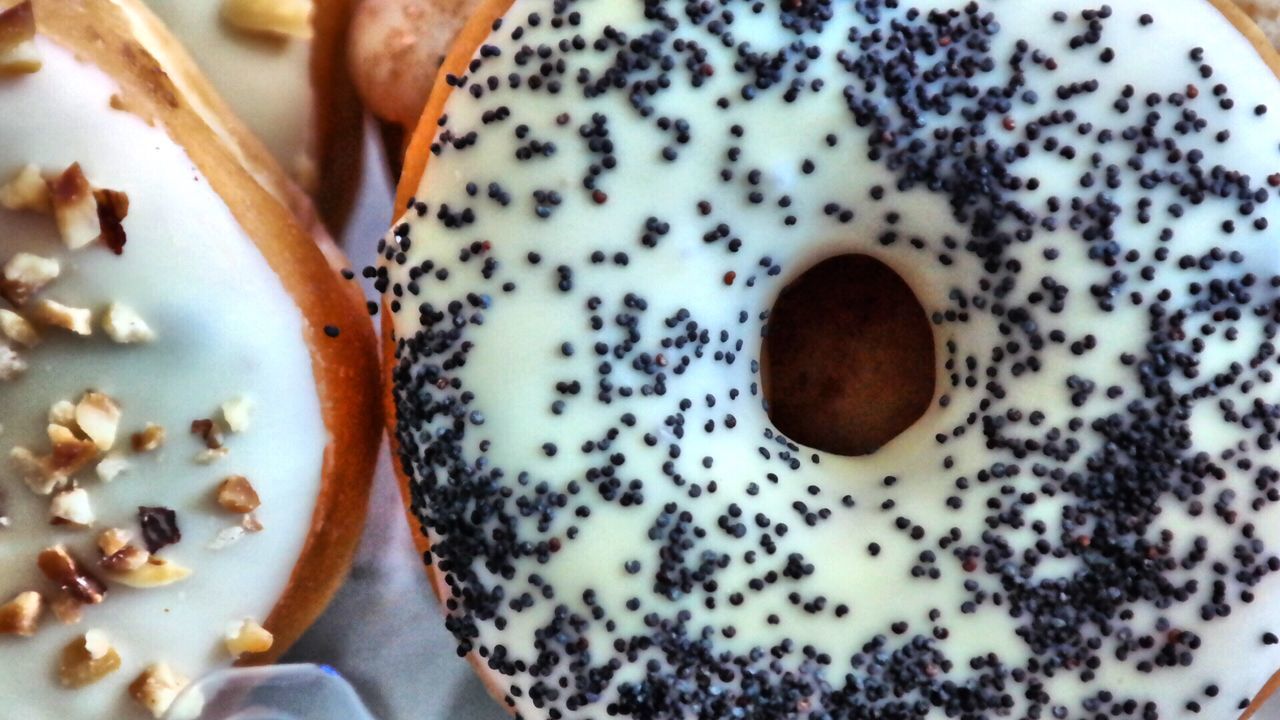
[(279, 64)]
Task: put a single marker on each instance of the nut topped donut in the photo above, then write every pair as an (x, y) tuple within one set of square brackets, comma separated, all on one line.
[(187, 391), (602, 208)]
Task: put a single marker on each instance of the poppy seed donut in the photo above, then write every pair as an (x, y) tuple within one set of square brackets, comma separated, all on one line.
[(602, 205)]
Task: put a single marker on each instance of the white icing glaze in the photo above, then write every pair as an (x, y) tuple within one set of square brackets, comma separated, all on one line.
[(514, 358), (225, 328), (266, 80)]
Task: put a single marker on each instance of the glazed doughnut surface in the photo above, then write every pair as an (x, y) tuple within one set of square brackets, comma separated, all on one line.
[(224, 329), (1084, 522)]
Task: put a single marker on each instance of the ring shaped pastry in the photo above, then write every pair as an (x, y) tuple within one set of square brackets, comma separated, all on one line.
[(188, 391), (601, 205)]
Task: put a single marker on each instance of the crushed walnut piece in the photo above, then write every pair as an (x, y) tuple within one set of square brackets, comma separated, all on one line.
[(71, 507), (112, 540), (113, 207), (87, 659), (126, 561), (154, 572), (70, 454), (157, 687), (27, 191), (118, 554), (98, 417), (26, 274), (21, 615), (209, 456), (236, 494), (58, 565), (235, 413), (251, 523), (72, 319), (32, 471), (75, 208), (125, 326), (62, 412), (42, 474), (247, 637), (68, 610), (18, 52), (280, 18), (148, 439), (227, 537), (208, 431), (16, 328), (110, 467)]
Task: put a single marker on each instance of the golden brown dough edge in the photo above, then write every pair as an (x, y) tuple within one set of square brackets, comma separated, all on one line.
[(345, 368), (418, 154)]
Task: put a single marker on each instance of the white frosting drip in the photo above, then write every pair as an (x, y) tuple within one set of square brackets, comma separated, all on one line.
[(266, 81), (515, 358), (225, 328)]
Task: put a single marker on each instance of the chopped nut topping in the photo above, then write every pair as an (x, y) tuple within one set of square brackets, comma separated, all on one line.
[(71, 319), (125, 560), (155, 572), (159, 527), (209, 431), (110, 467), (58, 565), (21, 616), (11, 366), (43, 474), (96, 644), (237, 495), (87, 659), (71, 507), (74, 208), (125, 326), (70, 453), (226, 537), (247, 636), (26, 191), (151, 438), (209, 457), (113, 206), (251, 523), (33, 471), (16, 328), (99, 418), (118, 555), (18, 53), (62, 413), (67, 609), (157, 687), (283, 18), (112, 541), (25, 275), (235, 413)]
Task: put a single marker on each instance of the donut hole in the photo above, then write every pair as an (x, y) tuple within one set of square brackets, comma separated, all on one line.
[(848, 357)]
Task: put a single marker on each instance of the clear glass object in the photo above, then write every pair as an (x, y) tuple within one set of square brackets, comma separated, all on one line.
[(280, 692)]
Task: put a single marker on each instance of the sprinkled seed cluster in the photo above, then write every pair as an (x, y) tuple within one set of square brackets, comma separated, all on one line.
[(623, 185)]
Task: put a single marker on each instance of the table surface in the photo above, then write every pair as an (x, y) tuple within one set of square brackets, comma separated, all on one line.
[(384, 631)]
